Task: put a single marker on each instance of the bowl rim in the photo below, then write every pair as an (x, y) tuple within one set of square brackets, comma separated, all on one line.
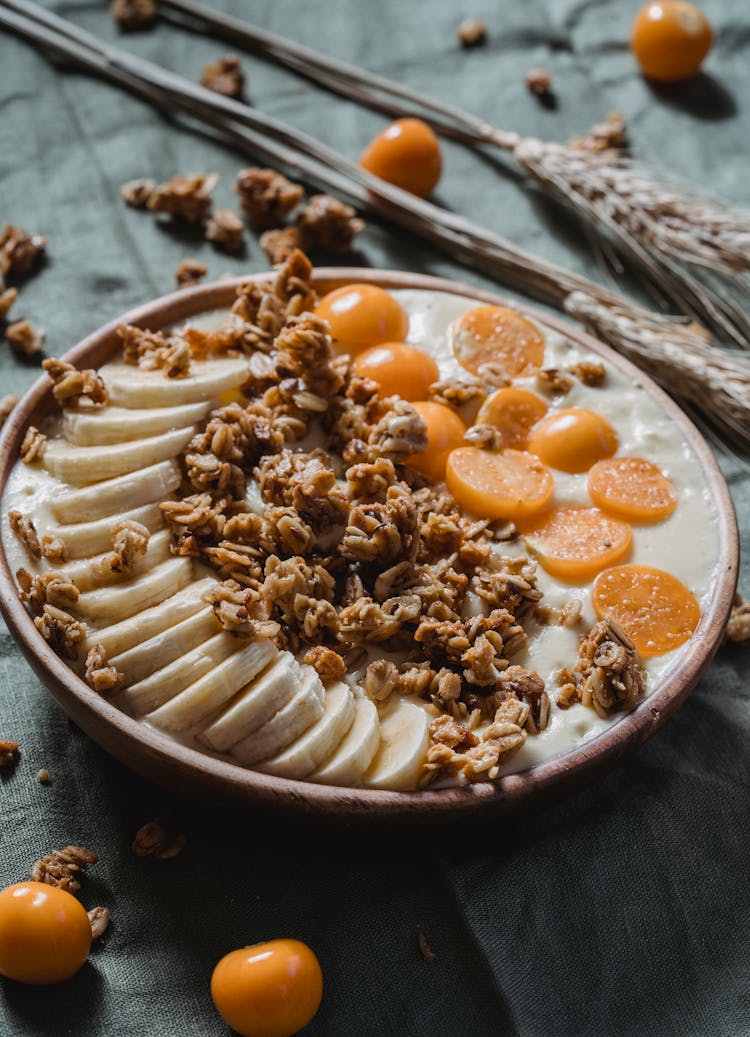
[(185, 769)]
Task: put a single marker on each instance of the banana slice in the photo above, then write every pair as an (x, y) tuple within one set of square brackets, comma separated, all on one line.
[(92, 502), (163, 684), (82, 465), (355, 752), (404, 740), (300, 713), (119, 637), (130, 386), (300, 758), (267, 694), (119, 425), (85, 573), (204, 698), (86, 538), (163, 648), (109, 604)]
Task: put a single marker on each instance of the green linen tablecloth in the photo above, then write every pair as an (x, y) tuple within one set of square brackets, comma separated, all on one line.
[(625, 910)]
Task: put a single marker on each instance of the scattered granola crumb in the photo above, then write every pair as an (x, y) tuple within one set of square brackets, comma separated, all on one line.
[(43, 776), (177, 360), (7, 297), (329, 664), (99, 920), (472, 32), (328, 224), (267, 196), (134, 14), (7, 403), (8, 751), (24, 338), (72, 388), (136, 193), (19, 251), (54, 549), (226, 229), (610, 135), (187, 197), (154, 840), (224, 76), (591, 372), (190, 272), (538, 81), (32, 447), (280, 243), (62, 867), (486, 437), (24, 530), (738, 627), (427, 952), (457, 393), (553, 382), (102, 677)]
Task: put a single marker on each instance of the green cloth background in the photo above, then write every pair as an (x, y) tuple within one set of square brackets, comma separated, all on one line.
[(625, 910)]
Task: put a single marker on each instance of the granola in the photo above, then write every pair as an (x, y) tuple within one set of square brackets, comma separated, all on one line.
[(25, 530), (186, 197), (328, 224), (32, 447), (224, 76), (225, 229), (609, 673), (24, 338), (61, 868), (131, 15), (103, 678), (738, 627), (190, 272), (136, 193), (19, 251), (74, 388), (266, 196), (155, 840)]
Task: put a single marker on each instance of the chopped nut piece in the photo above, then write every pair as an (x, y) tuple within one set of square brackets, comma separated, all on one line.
[(136, 193), (738, 627), (279, 244), (609, 135), (7, 297), (538, 81), (611, 675), (190, 272), (43, 777), (187, 197), (19, 251), (487, 437), (24, 338), (457, 392), (8, 752), (72, 388), (7, 403), (554, 382), (24, 529), (471, 32), (102, 677), (62, 867), (64, 634), (51, 587), (427, 952), (380, 680), (267, 196), (99, 920), (129, 543), (590, 372), (32, 447), (330, 665), (134, 14), (329, 224), (54, 549), (224, 76), (226, 229), (154, 840)]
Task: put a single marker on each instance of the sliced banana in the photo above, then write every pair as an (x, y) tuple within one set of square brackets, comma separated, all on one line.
[(263, 698), (121, 636), (86, 574), (126, 491), (404, 740), (153, 691), (163, 648), (355, 752), (199, 702), (82, 465), (130, 386), (300, 758), (110, 604), (119, 425), (89, 538), (300, 713)]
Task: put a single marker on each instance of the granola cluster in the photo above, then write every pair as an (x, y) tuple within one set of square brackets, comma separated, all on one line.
[(608, 674), (224, 76), (61, 868), (20, 253)]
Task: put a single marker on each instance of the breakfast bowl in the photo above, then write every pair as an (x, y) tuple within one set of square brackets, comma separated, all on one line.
[(209, 738)]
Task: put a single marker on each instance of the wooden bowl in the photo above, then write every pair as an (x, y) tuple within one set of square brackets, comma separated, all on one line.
[(194, 774)]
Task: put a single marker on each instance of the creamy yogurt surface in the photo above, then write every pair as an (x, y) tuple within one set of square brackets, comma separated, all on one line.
[(686, 544)]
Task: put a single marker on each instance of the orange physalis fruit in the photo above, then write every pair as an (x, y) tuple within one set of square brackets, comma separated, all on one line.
[(494, 334), (445, 432), (631, 488), (511, 485), (574, 544), (670, 39), (653, 607), (406, 154), (271, 989), (45, 933), (572, 440), (514, 412), (362, 315), (399, 370)]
